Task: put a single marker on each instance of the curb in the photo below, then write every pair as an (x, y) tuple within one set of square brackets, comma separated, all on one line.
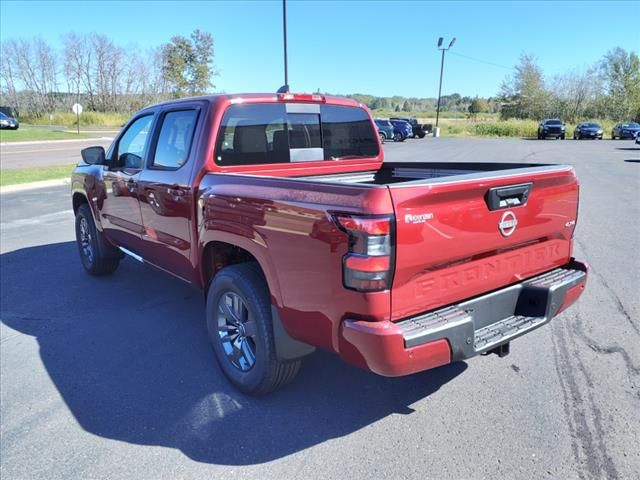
[(44, 142), (34, 185)]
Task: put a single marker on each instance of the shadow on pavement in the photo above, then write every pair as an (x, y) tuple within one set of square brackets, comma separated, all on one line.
[(633, 149), (130, 357), (633, 160)]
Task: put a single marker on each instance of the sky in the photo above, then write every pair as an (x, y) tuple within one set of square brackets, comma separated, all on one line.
[(383, 48)]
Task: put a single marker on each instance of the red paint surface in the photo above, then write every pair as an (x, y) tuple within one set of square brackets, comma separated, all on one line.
[(289, 228)]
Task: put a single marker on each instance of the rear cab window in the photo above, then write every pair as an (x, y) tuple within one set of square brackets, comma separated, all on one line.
[(265, 133)]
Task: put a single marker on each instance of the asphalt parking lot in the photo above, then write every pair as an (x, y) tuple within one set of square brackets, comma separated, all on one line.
[(114, 377)]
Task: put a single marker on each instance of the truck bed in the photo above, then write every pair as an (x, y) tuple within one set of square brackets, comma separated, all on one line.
[(432, 173)]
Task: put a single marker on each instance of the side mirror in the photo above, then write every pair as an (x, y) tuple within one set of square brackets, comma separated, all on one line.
[(93, 155)]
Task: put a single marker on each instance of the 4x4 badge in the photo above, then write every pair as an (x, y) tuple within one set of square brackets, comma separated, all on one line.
[(508, 223)]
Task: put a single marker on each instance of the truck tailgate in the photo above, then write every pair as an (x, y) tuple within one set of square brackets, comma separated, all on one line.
[(458, 237)]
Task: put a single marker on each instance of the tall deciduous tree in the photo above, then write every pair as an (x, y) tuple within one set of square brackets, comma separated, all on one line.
[(524, 93), (621, 74), (187, 64)]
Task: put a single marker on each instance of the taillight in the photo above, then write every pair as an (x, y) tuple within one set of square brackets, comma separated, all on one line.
[(301, 97), (368, 266)]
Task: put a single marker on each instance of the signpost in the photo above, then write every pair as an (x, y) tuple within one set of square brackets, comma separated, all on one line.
[(77, 109)]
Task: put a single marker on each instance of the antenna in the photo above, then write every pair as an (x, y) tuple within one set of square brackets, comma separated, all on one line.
[(285, 87)]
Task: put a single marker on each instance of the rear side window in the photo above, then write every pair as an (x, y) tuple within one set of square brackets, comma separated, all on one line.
[(280, 133), (174, 140)]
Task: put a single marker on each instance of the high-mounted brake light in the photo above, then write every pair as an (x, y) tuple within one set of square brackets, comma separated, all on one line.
[(368, 266), (301, 97)]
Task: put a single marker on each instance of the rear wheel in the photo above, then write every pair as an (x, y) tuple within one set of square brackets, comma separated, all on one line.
[(397, 137), (96, 255), (241, 331)]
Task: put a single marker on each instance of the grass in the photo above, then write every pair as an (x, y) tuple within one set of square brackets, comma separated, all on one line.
[(35, 174), (87, 119), (30, 134)]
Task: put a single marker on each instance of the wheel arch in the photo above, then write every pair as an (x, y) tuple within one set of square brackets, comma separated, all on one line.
[(217, 254)]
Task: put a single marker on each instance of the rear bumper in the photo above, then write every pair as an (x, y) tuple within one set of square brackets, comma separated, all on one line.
[(463, 330)]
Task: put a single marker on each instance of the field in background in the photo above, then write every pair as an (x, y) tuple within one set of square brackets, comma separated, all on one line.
[(87, 119), (452, 124), (457, 124)]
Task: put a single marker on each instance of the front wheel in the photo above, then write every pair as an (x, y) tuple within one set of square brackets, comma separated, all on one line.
[(382, 137), (241, 331), (97, 257), (397, 137), (562, 137)]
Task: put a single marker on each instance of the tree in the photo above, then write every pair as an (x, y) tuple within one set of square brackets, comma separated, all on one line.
[(187, 64), (406, 107), (397, 108), (572, 93), (620, 71), (524, 94), (31, 66), (478, 105)]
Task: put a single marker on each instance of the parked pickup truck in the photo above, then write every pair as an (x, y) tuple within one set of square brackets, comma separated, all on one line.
[(281, 209)]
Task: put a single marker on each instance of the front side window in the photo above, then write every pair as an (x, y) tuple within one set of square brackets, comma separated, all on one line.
[(174, 140), (269, 133), (133, 144)]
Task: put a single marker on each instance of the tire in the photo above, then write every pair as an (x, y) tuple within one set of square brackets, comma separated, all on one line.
[(383, 137), (541, 136), (397, 137), (97, 256), (613, 137), (242, 335), (562, 137), (421, 135)]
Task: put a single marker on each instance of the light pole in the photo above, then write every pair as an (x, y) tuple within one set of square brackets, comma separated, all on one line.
[(440, 47)]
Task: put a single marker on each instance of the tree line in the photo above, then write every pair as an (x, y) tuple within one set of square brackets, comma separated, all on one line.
[(609, 89), (37, 79)]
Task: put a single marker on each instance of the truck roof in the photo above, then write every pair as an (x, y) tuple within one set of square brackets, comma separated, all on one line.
[(265, 98)]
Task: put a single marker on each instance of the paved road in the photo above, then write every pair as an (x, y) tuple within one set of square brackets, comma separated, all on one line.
[(114, 378), (54, 152)]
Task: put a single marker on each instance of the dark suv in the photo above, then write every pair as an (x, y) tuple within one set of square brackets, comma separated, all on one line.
[(416, 128), (551, 127), (385, 130)]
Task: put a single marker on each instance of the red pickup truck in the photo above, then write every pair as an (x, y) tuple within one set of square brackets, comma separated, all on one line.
[(281, 209)]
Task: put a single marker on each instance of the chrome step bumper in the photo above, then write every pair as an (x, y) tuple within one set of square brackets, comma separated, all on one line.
[(483, 323)]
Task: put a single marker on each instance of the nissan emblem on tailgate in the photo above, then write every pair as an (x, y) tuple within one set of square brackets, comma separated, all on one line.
[(508, 223)]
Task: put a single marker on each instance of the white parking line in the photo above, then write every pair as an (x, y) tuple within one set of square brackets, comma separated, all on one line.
[(25, 222)]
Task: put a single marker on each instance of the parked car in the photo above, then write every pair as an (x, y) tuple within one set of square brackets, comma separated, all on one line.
[(638, 138), (587, 130), (625, 130), (417, 129), (405, 128), (551, 127), (386, 130), (282, 210), (7, 122)]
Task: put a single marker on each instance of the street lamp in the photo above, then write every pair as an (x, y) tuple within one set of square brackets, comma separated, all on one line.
[(440, 47)]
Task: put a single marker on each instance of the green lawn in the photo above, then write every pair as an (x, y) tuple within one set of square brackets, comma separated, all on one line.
[(30, 134), (27, 175)]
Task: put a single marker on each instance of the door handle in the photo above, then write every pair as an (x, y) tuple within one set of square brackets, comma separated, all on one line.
[(176, 193), (132, 185), (509, 196)]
